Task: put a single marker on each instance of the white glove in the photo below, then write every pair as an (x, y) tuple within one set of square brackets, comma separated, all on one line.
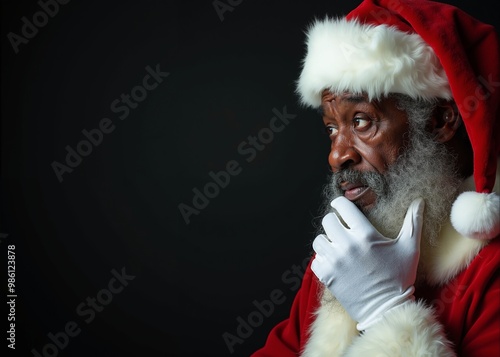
[(368, 273)]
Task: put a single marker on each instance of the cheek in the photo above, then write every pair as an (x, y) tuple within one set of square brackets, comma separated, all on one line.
[(389, 144), (382, 153)]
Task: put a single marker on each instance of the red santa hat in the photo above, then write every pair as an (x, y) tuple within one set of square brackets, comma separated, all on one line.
[(426, 50)]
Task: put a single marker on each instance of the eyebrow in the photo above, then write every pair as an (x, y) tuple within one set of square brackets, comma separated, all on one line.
[(350, 98), (354, 98)]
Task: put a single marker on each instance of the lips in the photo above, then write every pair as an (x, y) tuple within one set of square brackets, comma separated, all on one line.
[(353, 191)]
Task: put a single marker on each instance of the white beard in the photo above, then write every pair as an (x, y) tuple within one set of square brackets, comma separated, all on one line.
[(426, 169)]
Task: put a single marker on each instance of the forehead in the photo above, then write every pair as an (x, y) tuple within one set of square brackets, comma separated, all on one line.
[(326, 95), (348, 98)]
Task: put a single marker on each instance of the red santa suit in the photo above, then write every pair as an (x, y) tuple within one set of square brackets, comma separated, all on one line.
[(425, 50), (458, 304)]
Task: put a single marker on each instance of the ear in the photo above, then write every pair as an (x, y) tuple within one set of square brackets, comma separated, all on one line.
[(445, 121)]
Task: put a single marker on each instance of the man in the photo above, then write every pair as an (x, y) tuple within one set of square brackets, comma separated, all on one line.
[(407, 261)]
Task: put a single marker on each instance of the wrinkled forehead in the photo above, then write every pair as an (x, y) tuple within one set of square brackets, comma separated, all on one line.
[(329, 97)]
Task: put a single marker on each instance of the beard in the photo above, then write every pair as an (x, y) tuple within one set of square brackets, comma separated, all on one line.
[(426, 169)]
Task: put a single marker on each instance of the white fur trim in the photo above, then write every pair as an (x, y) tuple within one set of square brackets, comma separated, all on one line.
[(477, 215), (409, 330), (454, 251), (331, 332), (348, 56), (481, 222), (452, 254)]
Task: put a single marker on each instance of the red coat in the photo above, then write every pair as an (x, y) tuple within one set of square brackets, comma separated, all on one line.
[(467, 307)]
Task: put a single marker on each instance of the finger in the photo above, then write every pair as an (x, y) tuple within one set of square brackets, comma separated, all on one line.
[(333, 226), (321, 244), (350, 214), (318, 268), (412, 226)]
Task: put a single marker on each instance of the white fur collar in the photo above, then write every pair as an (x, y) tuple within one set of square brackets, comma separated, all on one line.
[(333, 330), (454, 252)]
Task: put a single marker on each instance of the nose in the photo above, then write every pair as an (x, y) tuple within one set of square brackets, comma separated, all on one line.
[(343, 154)]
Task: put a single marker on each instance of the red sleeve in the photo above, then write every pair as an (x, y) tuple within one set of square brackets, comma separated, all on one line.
[(287, 338), (482, 334)]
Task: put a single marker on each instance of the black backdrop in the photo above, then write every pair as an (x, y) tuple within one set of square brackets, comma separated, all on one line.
[(113, 208)]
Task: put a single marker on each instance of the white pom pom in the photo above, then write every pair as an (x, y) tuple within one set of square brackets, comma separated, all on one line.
[(476, 215)]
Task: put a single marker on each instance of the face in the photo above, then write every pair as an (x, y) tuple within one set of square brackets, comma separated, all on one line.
[(366, 137)]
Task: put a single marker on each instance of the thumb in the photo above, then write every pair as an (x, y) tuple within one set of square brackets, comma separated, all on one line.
[(412, 226)]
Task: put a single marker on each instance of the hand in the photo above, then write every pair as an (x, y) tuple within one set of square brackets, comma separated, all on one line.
[(368, 273)]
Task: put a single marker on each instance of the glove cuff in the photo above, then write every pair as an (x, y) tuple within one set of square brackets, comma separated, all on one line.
[(378, 311)]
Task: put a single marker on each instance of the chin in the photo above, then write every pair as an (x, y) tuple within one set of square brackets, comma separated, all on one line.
[(365, 207)]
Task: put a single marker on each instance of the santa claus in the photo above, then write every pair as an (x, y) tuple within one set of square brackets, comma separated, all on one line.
[(407, 260)]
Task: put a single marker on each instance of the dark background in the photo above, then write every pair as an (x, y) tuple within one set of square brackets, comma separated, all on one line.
[(119, 207)]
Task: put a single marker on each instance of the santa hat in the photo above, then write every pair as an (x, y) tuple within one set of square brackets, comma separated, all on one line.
[(426, 50)]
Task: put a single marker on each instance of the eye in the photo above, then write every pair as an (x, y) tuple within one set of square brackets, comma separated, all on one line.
[(331, 130), (361, 122)]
